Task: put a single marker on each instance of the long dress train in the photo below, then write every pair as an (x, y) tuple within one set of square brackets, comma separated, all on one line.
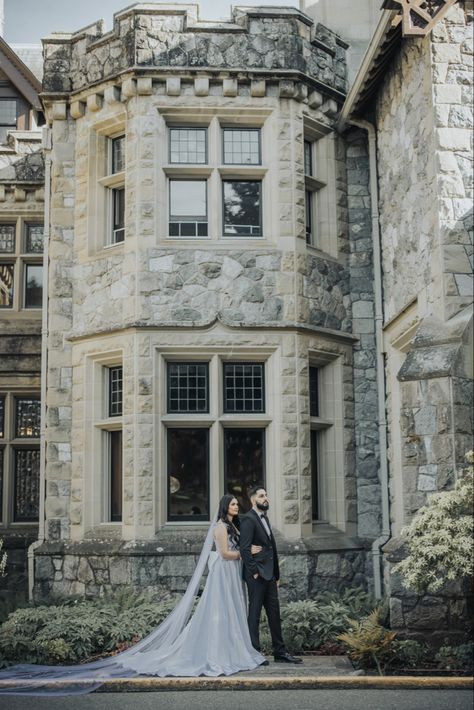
[(214, 641)]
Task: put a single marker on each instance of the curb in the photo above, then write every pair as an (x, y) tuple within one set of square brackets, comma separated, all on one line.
[(148, 685)]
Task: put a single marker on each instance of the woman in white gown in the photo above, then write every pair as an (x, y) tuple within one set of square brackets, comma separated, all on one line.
[(214, 641)]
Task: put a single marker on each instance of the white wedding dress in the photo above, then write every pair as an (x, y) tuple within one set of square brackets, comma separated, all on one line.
[(214, 641)]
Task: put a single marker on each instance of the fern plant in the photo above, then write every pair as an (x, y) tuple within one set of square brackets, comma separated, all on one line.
[(368, 640)]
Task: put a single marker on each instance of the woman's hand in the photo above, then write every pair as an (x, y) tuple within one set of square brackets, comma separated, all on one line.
[(255, 549)]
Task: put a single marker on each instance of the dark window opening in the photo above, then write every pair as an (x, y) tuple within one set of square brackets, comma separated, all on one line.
[(118, 154), (315, 485), (244, 387), (115, 459), (314, 391), (26, 485), (188, 387), (244, 463), (188, 474), (27, 417), (118, 214)]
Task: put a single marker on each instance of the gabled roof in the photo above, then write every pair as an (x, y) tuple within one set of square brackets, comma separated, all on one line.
[(19, 74)]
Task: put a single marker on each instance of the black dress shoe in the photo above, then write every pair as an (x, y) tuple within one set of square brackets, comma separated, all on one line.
[(287, 658), (264, 663)]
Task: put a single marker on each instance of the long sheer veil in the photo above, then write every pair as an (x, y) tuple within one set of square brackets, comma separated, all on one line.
[(141, 659)]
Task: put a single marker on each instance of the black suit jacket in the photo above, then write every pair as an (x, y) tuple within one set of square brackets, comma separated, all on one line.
[(265, 563)]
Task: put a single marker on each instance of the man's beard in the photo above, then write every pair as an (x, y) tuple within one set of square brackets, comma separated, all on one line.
[(263, 506)]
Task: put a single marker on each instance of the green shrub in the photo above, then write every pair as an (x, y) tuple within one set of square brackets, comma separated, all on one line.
[(461, 656), (75, 631), (410, 654)]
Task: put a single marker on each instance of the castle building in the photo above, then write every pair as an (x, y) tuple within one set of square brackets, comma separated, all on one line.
[(253, 276)]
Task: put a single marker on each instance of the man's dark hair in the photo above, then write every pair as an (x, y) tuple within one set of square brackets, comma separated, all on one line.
[(254, 490)]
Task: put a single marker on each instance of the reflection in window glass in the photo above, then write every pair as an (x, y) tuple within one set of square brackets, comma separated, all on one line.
[(6, 285), (309, 216), (26, 485), (7, 238), (188, 208), (314, 392), (115, 475), (118, 216), (33, 285), (34, 238), (188, 474), (308, 158), (188, 145), (2, 417), (27, 417), (315, 485), (242, 146), (244, 463), (118, 154), (242, 214)]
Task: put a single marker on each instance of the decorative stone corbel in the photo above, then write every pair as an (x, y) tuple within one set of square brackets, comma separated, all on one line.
[(129, 88), (112, 95), (2, 193), (77, 109), (39, 194), (19, 194), (301, 91), (315, 99), (94, 102), (330, 108), (58, 111), (173, 86), (201, 86), (287, 89), (229, 87), (144, 86), (257, 87)]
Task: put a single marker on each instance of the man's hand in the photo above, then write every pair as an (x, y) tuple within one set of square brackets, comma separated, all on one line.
[(255, 576)]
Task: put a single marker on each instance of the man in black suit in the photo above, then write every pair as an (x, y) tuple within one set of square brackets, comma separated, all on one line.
[(262, 574)]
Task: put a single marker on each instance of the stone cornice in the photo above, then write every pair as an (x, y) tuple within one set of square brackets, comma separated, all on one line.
[(337, 335)]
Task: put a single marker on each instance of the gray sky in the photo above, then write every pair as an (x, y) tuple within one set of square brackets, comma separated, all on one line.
[(26, 21)]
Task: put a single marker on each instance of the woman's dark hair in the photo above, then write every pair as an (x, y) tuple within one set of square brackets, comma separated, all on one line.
[(224, 503)]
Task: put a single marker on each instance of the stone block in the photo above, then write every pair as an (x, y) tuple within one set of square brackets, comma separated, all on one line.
[(94, 102), (77, 109), (129, 88), (112, 95), (454, 138), (144, 86), (257, 87), (229, 87), (201, 86), (315, 99), (286, 89), (58, 111), (19, 195), (173, 86)]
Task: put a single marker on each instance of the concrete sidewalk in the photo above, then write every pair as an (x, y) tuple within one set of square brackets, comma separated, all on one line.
[(315, 672)]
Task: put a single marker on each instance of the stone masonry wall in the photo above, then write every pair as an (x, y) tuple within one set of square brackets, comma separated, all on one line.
[(452, 71), (367, 454), (170, 38)]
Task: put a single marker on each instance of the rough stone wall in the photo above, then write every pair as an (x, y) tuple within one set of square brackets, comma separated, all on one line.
[(59, 370), (87, 569), (407, 177), (256, 39), (361, 292), (452, 71)]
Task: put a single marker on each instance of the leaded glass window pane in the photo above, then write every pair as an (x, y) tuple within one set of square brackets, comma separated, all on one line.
[(115, 391), (2, 417), (308, 158), (7, 238), (118, 216), (26, 485), (314, 392), (188, 387), (27, 417), (8, 111), (309, 216), (188, 474), (242, 208), (6, 285), (1, 482), (118, 154), (34, 238), (242, 146), (115, 459), (244, 463), (244, 389), (188, 145), (315, 484), (33, 285)]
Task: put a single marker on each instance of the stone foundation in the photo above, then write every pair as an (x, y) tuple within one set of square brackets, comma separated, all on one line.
[(93, 567)]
